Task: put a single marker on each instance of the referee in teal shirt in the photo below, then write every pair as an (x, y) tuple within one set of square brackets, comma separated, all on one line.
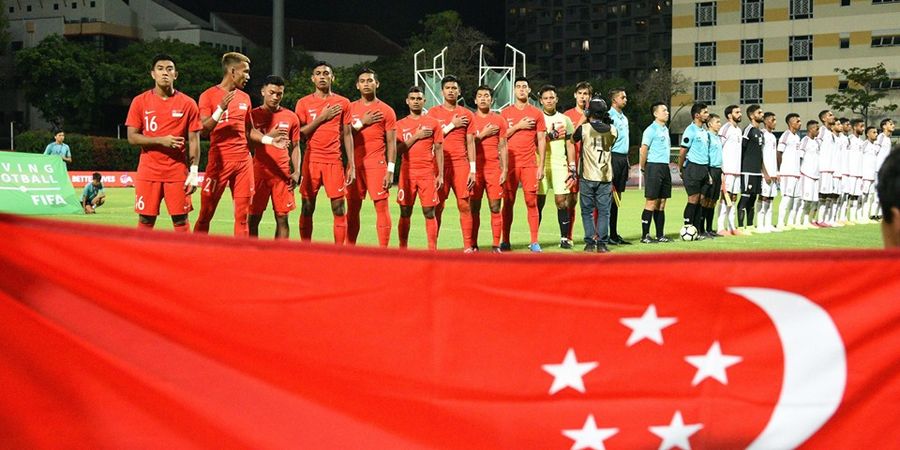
[(655, 148)]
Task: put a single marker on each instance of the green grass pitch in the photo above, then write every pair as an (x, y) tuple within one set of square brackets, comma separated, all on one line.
[(120, 203)]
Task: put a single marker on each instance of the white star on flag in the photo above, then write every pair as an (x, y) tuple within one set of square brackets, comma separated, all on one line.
[(677, 434), (569, 373), (712, 364), (648, 326), (589, 436)]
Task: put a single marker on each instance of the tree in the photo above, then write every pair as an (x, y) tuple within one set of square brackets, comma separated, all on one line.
[(661, 85), (864, 91), (199, 67), (67, 82)]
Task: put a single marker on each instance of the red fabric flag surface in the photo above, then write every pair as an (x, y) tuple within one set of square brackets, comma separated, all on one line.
[(115, 338)]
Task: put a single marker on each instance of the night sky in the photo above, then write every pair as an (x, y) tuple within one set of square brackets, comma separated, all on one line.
[(396, 19)]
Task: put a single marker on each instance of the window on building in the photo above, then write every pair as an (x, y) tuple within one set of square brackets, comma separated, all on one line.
[(800, 48), (12, 9), (844, 40), (27, 8), (885, 41), (800, 90), (705, 14), (801, 9), (585, 45), (55, 6), (704, 54), (705, 92), (751, 91), (845, 2), (876, 2), (889, 84), (751, 51), (93, 4), (751, 11), (842, 85), (16, 46), (74, 5)]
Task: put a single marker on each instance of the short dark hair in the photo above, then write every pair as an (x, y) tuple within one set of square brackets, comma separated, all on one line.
[(413, 89), (485, 87), (161, 57), (584, 85), (870, 128), (884, 122), (697, 108), (844, 120), (615, 91), (889, 184), (730, 108), (449, 79), (546, 88), (787, 118), (518, 79), (712, 116), (655, 106), (96, 176), (366, 69), (323, 63), (752, 109), (811, 123), (273, 80), (822, 114), (768, 114), (855, 122)]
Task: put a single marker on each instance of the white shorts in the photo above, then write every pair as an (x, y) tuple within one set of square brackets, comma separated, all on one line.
[(810, 189), (790, 186), (770, 188), (867, 187), (732, 184), (826, 183), (849, 184)]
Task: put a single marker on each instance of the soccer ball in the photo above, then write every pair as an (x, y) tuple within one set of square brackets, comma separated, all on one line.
[(688, 233)]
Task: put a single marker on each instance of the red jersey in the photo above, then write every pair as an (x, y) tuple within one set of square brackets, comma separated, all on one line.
[(154, 116), (370, 141), (229, 138), (419, 159), (455, 150), (576, 116), (487, 151), (324, 146), (523, 143), (273, 160)]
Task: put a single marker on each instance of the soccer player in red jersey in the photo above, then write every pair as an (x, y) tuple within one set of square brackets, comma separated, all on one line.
[(459, 155), (490, 164), (527, 143), (272, 165), (225, 114), (583, 93), (420, 144), (375, 140), (160, 121), (324, 121)]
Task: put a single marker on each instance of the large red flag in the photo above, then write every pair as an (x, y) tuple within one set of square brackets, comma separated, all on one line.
[(115, 338)]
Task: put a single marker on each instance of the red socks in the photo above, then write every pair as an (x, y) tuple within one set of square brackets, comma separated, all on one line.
[(340, 229), (403, 231), (431, 230), (496, 227), (353, 208), (383, 222), (533, 215), (305, 227), (183, 228), (241, 208)]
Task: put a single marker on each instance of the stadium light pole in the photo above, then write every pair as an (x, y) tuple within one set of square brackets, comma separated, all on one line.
[(278, 37)]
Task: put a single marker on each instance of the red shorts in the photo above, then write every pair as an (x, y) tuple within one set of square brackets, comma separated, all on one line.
[(237, 175), (489, 181), (525, 175), (149, 194), (421, 186), (315, 175), (368, 180), (274, 187), (456, 177)]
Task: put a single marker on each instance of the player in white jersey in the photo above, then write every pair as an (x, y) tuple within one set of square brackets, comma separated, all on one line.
[(789, 172), (770, 176), (838, 166), (869, 162), (827, 149), (732, 139), (884, 148), (809, 173), (842, 169), (853, 177)]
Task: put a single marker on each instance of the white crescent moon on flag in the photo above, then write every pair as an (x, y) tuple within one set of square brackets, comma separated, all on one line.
[(815, 367)]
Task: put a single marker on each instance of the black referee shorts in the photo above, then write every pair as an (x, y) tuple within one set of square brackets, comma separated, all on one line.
[(657, 181), (751, 184), (695, 177), (620, 171), (713, 190)]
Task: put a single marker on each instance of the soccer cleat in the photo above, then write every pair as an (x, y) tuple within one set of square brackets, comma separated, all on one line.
[(664, 239), (602, 248), (535, 247), (470, 250), (618, 240), (711, 235), (762, 231), (590, 248), (504, 246), (724, 233), (565, 243), (496, 249), (648, 240), (774, 230)]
